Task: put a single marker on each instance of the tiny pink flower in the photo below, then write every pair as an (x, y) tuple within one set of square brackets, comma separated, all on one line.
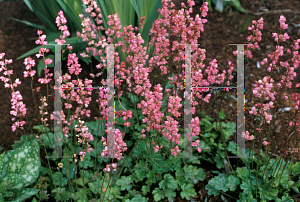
[(265, 143)]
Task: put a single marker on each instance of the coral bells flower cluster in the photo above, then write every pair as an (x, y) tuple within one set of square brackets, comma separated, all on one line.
[(60, 22), (262, 88), (17, 105), (137, 55), (291, 150), (84, 137), (42, 107), (188, 33), (107, 169), (41, 41), (296, 98), (119, 145), (246, 136), (90, 29), (259, 26), (126, 115), (174, 105), (171, 125), (29, 62), (151, 108), (102, 103), (75, 66)]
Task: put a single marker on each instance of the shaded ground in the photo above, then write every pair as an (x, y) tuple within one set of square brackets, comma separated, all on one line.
[(220, 30)]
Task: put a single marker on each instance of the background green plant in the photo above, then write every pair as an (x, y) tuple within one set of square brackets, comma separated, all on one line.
[(19, 168), (275, 182), (212, 145), (220, 5), (129, 13)]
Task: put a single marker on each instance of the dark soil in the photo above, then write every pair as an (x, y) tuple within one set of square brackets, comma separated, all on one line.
[(220, 30)]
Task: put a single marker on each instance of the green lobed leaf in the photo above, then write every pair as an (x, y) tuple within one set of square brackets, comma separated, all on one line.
[(222, 115), (282, 177), (41, 128), (95, 186), (151, 177), (269, 194), (95, 128), (246, 186), (194, 160), (48, 139), (220, 146), (138, 198), (80, 196), (158, 194), (44, 170), (125, 183), (81, 182), (68, 168), (255, 181), (212, 190), (246, 197), (140, 170), (170, 194), (168, 183), (219, 183), (212, 141), (59, 179), (295, 168), (88, 162), (232, 182), (243, 173), (145, 189), (232, 147), (297, 184), (194, 174), (61, 194), (285, 198), (188, 191), (219, 161)]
